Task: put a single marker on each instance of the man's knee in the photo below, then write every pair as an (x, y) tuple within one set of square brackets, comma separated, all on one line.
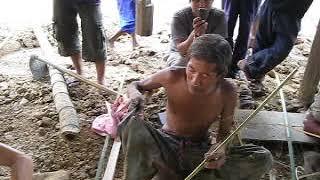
[(175, 59), (263, 160), (254, 156)]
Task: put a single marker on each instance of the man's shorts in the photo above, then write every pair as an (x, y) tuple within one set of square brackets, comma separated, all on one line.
[(67, 34)]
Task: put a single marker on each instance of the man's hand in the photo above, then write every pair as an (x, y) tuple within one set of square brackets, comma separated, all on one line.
[(215, 160), (135, 96), (199, 26), (136, 100)]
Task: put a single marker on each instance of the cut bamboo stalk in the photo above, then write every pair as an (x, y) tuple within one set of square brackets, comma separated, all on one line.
[(68, 118)]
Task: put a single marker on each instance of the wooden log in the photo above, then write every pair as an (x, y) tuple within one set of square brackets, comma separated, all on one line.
[(311, 76), (68, 118), (144, 17)]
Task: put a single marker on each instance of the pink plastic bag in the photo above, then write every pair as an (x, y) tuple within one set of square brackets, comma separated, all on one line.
[(108, 123)]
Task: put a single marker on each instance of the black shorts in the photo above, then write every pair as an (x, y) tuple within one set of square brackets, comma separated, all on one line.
[(67, 34)]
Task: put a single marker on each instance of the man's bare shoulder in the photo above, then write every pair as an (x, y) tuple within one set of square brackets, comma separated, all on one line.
[(174, 74), (229, 97), (229, 88)]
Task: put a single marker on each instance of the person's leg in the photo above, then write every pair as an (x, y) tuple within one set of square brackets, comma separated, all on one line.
[(311, 164), (77, 62), (231, 9), (246, 16), (175, 59), (65, 28), (134, 40), (115, 37), (94, 40), (146, 150), (100, 67), (247, 162)]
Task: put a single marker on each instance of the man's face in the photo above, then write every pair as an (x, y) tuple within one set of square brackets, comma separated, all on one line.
[(202, 77), (196, 4)]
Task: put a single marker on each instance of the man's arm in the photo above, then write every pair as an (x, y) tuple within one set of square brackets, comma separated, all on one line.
[(155, 81), (217, 159), (199, 28), (183, 45), (21, 165), (227, 116)]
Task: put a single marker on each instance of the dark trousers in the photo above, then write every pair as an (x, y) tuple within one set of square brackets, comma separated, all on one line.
[(154, 153), (275, 38), (245, 10)]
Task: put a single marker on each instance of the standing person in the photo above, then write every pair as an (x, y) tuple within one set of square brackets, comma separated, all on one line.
[(245, 11), (20, 164), (93, 37), (187, 25), (198, 95), (278, 29), (127, 12)]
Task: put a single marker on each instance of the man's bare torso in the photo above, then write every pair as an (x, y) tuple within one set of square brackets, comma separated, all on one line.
[(191, 115)]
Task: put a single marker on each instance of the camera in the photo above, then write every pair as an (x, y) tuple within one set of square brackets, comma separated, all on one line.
[(203, 13)]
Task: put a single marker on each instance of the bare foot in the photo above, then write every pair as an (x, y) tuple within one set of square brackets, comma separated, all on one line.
[(241, 64), (135, 45), (101, 82)]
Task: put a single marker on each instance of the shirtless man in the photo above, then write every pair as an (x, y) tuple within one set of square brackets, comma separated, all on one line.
[(197, 96), (21, 165)]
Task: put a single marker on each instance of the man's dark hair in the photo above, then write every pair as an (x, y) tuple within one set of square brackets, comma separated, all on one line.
[(212, 48)]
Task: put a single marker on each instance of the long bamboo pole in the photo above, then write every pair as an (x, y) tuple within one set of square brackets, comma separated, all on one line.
[(288, 130)]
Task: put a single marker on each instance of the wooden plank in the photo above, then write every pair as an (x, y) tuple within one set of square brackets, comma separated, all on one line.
[(113, 158), (265, 126)]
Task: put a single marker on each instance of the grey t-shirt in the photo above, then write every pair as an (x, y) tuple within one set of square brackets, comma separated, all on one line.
[(181, 25)]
